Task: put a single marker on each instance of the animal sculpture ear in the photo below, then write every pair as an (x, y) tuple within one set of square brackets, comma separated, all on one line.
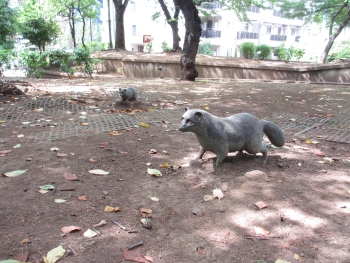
[(199, 115), (186, 109)]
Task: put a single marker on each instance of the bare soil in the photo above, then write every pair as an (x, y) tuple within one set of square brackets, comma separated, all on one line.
[(307, 217)]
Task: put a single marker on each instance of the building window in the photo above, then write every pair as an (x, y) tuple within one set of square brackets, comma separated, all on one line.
[(133, 30), (254, 9), (292, 32), (279, 30), (268, 29), (277, 13), (246, 27), (140, 48), (133, 6)]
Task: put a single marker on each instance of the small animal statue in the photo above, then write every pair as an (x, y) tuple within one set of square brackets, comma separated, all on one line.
[(242, 131), (128, 94)]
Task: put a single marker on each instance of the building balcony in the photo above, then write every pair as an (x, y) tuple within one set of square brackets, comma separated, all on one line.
[(211, 33), (211, 6), (278, 37), (297, 39), (247, 35)]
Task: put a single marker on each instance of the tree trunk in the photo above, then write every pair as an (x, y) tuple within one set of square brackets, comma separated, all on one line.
[(331, 36), (71, 22), (173, 22), (120, 8), (191, 42)]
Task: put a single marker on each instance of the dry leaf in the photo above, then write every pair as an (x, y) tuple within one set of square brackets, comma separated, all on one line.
[(146, 210), (154, 172), (134, 255), (124, 152), (69, 229), (144, 124), (218, 193), (152, 151), (70, 177), (92, 160), (260, 204), (149, 258), (23, 258), (209, 198), (318, 152), (112, 209), (115, 133), (98, 172), (61, 154), (82, 198), (260, 231), (164, 165), (90, 233), (165, 152), (156, 199), (27, 240)]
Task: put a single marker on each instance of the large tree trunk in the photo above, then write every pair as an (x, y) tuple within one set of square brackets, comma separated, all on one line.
[(173, 22), (120, 8), (331, 36), (191, 42), (71, 22)]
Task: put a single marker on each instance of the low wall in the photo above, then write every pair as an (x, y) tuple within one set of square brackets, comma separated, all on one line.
[(145, 65)]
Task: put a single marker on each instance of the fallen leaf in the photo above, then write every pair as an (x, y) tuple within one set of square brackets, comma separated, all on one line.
[(91, 160), (69, 229), (20, 135), (318, 152), (14, 173), (297, 257), (70, 177), (47, 187), (84, 124), (124, 152), (61, 154), (260, 231), (115, 133), (27, 240), (98, 172), (103, 222), (146, 210), (154, 172), (209, 198), (218, 193), (104, 143), (260, 204), (17, 146), (23, 258), (5, 151), (281, 261), (111, 209), (164, 165), (134, 255), (82, 198), (59, 200), (144, 124), (55, 254), (156, 199), (149, 258), (38, 110), (308, 141), (42, 191), (54, 149), (152, 151), (165, 152), (90, 233)]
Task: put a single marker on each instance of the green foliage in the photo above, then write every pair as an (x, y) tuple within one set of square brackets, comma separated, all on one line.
[(165, 46), (82, 56), (35, 62), (96, 46), (286, 54), (6, 56), (63, 59), (40, 31), (7, 21), (206, 49), (248, 49), (149, 47), (339, 51), (265, 51)]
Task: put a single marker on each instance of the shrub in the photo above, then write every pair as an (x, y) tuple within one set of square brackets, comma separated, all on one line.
[(286, 54), (82, 56), (165, 46), (265, 51), (96, 46), (206, 49), (339, 50), (248, 49), (62, 58), (6, 55), (149, 47), (35, 62)]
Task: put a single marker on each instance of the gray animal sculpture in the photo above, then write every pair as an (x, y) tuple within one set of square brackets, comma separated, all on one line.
[(128, 94), (242, 131)]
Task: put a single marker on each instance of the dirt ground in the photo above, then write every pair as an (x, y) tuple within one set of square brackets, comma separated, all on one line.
[(305, 184)]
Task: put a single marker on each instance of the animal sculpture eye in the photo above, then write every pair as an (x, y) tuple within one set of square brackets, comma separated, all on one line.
[(189, 121)]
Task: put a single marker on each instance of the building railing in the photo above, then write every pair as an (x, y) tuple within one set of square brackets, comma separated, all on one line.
[(211, 33), (207, 5), (278, 37), (247, 35)]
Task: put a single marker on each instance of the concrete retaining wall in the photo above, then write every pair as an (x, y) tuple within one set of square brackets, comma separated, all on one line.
[(147, 66)]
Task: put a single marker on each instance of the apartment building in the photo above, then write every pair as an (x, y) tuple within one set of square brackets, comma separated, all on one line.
[(223, 29)]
